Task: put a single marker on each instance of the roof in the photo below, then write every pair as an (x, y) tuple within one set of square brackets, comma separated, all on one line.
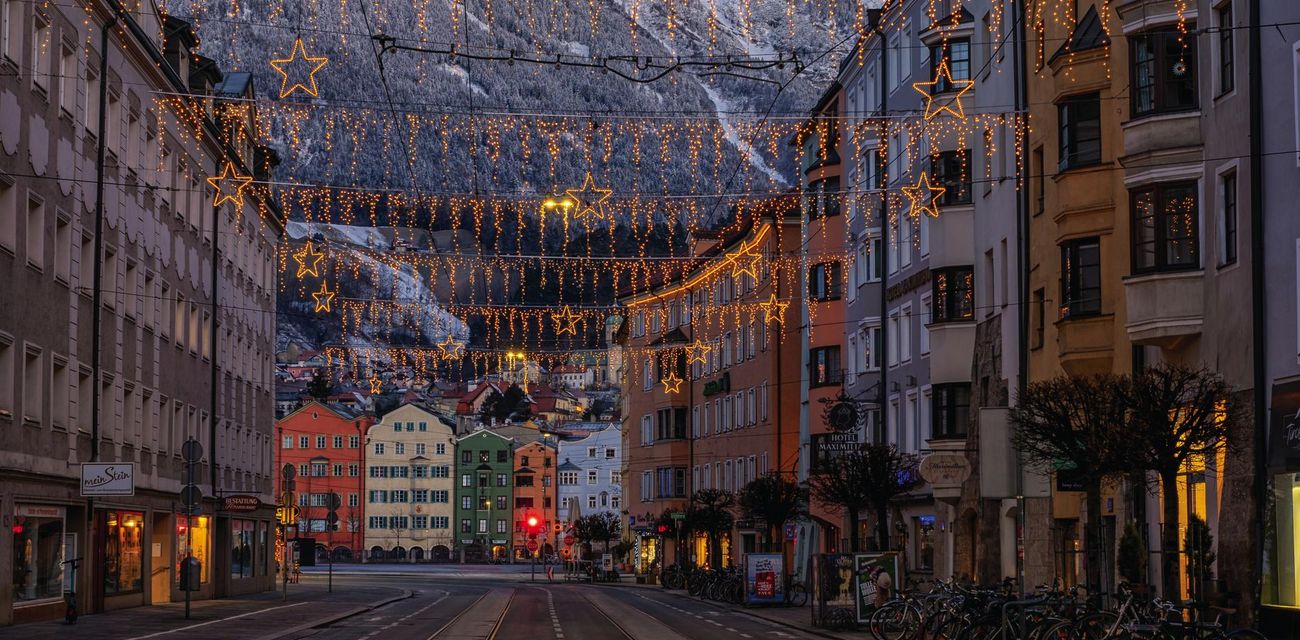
[(568, 466), (343, 412), (1087, 34), (236, 84)]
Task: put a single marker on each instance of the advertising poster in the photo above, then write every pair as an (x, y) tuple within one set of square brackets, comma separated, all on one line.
[(874, 576), (764, 575)]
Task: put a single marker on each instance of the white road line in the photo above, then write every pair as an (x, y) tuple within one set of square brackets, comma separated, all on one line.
[(745, 635), (204, 624)]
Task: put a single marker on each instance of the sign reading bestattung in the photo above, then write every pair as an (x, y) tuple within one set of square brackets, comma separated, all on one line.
[(108, 479)]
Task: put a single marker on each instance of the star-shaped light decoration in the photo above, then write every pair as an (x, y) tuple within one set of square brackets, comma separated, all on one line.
[(300, 63), (745, 262), (566, 321), (773, 309), (672, 383), (376, 385), (697, 351), (934, 107), (229, 185), (309, 261), (449, 347), (924, 197), (590, 199), (323, 298)]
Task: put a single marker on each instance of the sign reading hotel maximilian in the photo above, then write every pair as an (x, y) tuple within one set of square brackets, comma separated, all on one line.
[(108, 479)]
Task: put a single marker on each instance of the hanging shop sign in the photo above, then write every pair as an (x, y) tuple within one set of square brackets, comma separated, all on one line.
[(945, 468), (108, 479)]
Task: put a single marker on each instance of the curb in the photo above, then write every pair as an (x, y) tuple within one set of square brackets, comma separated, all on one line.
[(742, 611), (320, 622)]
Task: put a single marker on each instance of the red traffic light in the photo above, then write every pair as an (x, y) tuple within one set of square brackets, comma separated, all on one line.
[(532, 522), (663, 528)]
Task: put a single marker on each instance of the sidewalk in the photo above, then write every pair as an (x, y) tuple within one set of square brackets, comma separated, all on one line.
[(260, 616), (799, 618)]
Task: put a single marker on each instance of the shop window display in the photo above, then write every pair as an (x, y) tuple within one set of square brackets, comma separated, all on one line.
[(38, 552), (123, 559), (241, 549), (199, 536)]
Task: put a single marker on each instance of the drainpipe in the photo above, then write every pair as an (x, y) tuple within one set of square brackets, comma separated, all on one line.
[(1258, 303), (1022, 272)]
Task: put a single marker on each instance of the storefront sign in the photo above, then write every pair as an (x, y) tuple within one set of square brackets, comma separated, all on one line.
[(764, 578), (108, 479), (874, 578), (945, 468), (240, 503), (38, 511), (830, 443)]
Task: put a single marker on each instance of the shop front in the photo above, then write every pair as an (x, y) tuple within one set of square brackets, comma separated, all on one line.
[(1281, 580), (41, 544), (121, 557)]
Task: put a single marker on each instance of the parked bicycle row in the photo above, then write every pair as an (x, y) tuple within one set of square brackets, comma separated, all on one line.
[(724, 585)]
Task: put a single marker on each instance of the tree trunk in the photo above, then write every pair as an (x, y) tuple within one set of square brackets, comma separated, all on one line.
[(1171, 577), (1093, 557), (853, 528), (882, 527)]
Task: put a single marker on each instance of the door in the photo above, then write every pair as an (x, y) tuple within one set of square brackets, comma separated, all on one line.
[(160, 559)]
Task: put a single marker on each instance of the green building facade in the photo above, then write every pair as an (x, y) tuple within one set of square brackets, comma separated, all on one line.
[(484, 495)]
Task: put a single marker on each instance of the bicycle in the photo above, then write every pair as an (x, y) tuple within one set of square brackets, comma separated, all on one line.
[(70, 595), (796, 594)]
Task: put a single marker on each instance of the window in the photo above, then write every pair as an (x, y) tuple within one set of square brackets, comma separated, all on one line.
[(1038, 313), (41, 41), (353, 470), (1039, 179), (11, 30), (1080, 131), (948, 169), (503, 455), (1165, 228), (440, 449), (927, 316), (67, 79), (823, 198), (286, 442), (647, 431), (824, 366), (1228, 218), (568, 478), (591, 502), (379, 448), (338, 442), (9, 210), (647, 489), (824, 281), (36, 232), (320, 442), (953, 291), (399, 448), (950, 410), (1226, 61), (956, 53), (671, 423), (1080, 278), (354, 442), (1163, 71)]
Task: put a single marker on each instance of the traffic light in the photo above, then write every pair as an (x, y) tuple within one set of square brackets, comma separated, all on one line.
[(532, 526)]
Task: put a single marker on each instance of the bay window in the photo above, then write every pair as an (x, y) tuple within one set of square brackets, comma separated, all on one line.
[(1165, 228)]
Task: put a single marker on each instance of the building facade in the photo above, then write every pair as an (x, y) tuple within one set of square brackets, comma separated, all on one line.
[(708, 356), (137, 289), (535, 496), (484, 492), (324, 445), (409, 482), (590, 475)]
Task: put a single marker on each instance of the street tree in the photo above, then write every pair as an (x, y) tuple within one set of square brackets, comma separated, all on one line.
[(870, 478), (1076, 423), (711, 511), (1178, 417), (774, 500), (320, 386)]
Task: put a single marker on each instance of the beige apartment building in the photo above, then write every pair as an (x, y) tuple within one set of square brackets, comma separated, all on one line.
[(409, 456)]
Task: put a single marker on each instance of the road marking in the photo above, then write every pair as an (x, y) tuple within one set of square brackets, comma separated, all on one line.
[(745, 635), (204, 624), (404, 618)]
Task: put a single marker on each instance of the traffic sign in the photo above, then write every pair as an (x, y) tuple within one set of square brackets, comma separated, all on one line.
[(331, 518), (192, 451), (288, 471), (191, 496), (679, 515), (334, 500), (532, 546), (568, 541)]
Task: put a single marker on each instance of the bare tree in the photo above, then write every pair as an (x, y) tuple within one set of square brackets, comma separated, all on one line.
[(1178, 415), (711, 512), (773, 499), (1076, 422), (870, 478)]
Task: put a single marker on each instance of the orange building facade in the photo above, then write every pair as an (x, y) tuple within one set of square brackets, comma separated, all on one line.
[(534, 497)]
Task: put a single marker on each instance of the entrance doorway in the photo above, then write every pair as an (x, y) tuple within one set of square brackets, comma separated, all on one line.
[(160, 559)]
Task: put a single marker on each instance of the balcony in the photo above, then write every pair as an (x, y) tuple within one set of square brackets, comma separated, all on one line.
[(952, 345), (950, 236), (1086, 343), (1165, 309)]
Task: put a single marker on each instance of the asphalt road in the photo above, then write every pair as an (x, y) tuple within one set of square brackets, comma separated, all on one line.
[(507, 607)]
